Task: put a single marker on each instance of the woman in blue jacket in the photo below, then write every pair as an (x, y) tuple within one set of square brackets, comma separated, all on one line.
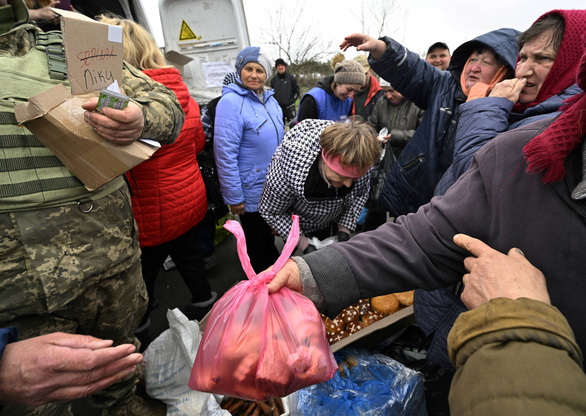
[(429, 153), (248, 128), (331, 98)]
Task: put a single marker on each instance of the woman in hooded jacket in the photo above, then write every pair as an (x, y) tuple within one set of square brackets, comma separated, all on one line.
[(549, 56), (429, 153)]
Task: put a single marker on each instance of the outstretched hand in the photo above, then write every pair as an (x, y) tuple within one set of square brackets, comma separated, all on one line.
[(492, 274), (366, 43), (118, 126), (62, 367)]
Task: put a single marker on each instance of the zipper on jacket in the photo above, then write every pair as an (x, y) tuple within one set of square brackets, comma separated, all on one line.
[(418, 159), (259, 126), (273, 121)]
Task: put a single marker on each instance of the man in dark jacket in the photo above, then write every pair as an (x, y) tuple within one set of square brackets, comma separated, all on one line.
[(495, 200), (287, 90), (439, 56)]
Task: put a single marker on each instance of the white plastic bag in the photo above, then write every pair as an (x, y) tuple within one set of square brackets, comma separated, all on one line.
[(168, 361), (314, 241)]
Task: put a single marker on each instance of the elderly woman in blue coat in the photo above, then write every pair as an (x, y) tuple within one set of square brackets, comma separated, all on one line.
[(248, 128)]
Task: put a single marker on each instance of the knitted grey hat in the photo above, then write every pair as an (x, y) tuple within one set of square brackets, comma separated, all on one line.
[(349, 72)]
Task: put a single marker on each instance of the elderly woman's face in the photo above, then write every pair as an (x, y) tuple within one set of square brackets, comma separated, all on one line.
[(482, 67), (536, 58), (253, 76)]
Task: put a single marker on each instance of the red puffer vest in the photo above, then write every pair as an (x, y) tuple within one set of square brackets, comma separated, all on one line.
[(168, 193)]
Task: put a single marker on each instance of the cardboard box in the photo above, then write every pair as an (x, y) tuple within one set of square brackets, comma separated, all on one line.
[(378, 331), (57, 119), (93, 52)]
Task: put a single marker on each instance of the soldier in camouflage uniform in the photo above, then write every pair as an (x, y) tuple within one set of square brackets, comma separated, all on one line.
[(69, 258)]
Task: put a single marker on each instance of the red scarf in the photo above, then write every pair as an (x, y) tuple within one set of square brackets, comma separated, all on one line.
[(547, 152), (562, 73)]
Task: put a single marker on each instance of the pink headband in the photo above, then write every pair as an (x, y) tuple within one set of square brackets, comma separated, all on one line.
[(346, 171)]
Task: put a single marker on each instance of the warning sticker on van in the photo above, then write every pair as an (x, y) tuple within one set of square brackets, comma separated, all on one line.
[(187, 33)]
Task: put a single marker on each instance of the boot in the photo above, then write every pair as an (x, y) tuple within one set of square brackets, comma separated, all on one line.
[(197, 310)]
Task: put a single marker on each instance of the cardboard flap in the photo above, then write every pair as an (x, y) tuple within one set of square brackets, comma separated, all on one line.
[(41, 104), (93, 51), (177, 58)]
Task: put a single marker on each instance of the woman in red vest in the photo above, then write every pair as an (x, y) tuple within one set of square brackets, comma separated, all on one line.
[(168, 192)]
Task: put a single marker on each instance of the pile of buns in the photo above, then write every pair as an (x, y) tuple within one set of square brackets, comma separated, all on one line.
[(364, 313)]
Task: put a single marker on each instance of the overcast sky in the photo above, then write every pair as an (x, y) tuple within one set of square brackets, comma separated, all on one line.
[(425, 21)]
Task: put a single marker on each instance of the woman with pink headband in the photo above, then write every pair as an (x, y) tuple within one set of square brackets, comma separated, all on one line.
[(320, 172)]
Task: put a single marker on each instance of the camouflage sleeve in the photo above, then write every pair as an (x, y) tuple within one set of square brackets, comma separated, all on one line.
[(163, 115)]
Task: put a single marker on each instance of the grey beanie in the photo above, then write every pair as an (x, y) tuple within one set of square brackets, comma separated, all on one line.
[(349, 72)]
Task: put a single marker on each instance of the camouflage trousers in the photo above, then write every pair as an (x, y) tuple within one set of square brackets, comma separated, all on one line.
[(77, 270)]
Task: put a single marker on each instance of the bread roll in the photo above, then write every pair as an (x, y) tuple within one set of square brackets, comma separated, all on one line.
[(362, 306), (386, 304), (350, 314), (405, 298), (335, 325), (371, 317)]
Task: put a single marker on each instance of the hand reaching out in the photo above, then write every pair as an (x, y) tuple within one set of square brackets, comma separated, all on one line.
[(59, 366), (44, 13), (492, 274), (118, 126), (366, 43)]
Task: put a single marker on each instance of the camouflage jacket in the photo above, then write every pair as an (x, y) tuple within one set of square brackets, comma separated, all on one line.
[(163, 117)]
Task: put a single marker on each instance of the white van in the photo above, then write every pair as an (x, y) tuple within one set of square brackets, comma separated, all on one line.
[(201, 38)]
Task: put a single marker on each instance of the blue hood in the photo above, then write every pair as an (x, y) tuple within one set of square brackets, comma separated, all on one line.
[(503, 43)]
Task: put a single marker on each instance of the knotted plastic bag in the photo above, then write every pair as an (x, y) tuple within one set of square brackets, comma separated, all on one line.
[(258, 346)]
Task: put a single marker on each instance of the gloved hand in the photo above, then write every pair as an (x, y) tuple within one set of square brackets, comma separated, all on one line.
[(343, 236), (309, 249)]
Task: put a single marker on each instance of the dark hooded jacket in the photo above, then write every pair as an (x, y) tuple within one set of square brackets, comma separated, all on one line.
[(429, 153), (481, 120)]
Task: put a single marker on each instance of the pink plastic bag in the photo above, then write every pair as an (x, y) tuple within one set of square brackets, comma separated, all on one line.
[(258, 346)]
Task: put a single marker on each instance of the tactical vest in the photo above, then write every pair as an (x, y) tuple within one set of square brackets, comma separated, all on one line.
[(31, 176)]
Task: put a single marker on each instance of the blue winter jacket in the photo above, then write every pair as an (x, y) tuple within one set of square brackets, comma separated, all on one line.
[(429, 153), (485, 118), (246, 134)]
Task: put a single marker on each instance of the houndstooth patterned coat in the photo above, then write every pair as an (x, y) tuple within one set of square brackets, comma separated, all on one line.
[(283, 192)]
